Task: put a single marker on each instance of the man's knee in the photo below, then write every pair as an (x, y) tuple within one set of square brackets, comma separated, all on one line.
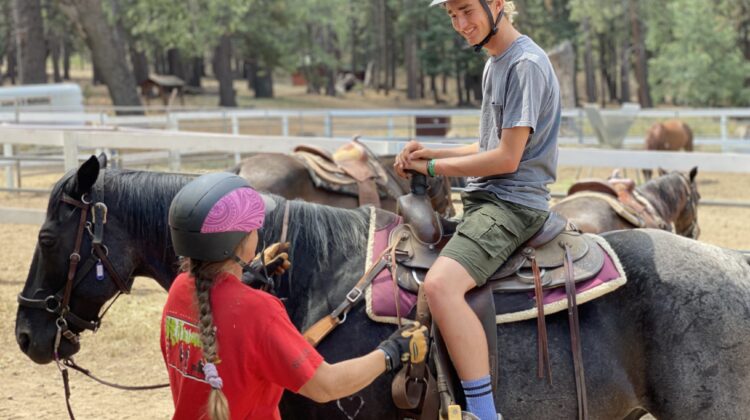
[(442, 287)]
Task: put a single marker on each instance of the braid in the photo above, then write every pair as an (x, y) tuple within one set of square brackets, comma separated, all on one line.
[(204, 273)]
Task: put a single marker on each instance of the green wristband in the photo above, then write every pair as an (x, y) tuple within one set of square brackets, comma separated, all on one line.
[(431, 168)]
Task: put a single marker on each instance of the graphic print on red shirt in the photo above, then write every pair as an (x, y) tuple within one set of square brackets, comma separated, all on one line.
[(183, 347)]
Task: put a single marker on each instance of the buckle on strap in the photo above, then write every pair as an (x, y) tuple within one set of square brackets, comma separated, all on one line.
[(354, 295)]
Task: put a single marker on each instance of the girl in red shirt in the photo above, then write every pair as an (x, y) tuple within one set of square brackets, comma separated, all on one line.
[(231, 350)]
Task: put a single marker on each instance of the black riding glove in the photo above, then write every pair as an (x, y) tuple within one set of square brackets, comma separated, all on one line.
[(408, 343), (277, 262)]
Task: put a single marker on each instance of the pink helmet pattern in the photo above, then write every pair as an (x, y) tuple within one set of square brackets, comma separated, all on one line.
[(242, 210)]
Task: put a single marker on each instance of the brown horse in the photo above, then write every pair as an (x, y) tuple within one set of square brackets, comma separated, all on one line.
[(288, 177), (668, 135), (673, 198)]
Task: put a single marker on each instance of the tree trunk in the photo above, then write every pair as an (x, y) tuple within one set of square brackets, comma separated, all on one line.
[(411, 64), (175, 65), (392, 48), (107, 52), (588, 64), (625, 70), (641, 64), (66, 53), (381, 78), (31, 48), (194, 72), (263, 85), (433, 88), (459, 87), (222, 65), (140, 65), (96, 75), (55, 47), (608, 82)]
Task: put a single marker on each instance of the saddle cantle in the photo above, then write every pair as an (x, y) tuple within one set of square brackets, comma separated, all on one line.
[(352, 170)]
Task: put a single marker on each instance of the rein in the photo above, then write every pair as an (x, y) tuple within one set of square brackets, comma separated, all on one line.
[(58, 303)]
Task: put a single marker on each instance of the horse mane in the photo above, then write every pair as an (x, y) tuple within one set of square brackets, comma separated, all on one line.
[(667, 189), (317, 229), (140, 199)]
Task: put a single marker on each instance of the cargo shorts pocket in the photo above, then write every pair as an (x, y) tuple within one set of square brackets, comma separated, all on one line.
[(492, 232)]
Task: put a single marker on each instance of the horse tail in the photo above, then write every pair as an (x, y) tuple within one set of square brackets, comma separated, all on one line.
[(689, 142)]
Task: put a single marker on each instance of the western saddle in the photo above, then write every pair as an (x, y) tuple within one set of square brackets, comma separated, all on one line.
[(352, 169), (624, 199), (553, 257)]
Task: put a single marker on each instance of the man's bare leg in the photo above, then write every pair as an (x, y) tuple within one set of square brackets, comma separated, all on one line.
[(446, 285)]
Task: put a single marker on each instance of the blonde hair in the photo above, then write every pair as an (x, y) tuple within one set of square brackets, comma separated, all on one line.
[(510, 9), (204, 273)]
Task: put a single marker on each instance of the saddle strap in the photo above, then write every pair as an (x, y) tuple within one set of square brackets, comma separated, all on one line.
[(575, 334), (368, 193), (415, 393), (541, 325), (318, 331)]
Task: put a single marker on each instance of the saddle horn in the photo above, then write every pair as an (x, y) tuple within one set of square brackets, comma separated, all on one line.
[(417, 211)]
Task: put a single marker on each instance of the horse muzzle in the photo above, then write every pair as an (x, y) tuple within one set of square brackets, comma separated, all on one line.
[(36, 339)]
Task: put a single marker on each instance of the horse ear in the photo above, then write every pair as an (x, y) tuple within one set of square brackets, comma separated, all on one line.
[(661, 171), (693, 173), (86, 176), (102, 158)]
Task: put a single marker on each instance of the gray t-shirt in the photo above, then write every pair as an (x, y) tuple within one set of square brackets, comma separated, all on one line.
[(521, 90)]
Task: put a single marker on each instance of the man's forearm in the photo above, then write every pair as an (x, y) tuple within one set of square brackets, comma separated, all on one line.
[(467, 149)]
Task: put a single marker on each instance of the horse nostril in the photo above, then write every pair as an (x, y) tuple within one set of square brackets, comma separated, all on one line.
[(23, 342)]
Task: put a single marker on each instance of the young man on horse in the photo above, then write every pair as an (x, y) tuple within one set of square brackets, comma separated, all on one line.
[(231, 350), (506, 199)]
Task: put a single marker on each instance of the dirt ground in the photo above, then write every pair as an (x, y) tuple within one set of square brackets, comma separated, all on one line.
[(126, 348)]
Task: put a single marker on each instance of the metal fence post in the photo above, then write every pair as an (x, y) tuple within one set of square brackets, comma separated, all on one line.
[(285, 125), (174, 155), (581, 122), (391, 126), (236, 132), (70, 150), (724, 133), (328, 125), (8, 152)]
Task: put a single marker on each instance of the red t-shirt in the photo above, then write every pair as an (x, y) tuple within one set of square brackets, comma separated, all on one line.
[(261, 353)]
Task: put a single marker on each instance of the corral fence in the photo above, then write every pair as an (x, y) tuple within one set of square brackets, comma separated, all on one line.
[(725, 129), (71, 142)]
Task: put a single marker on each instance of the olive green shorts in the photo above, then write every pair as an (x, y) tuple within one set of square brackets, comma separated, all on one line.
[(490, 230)]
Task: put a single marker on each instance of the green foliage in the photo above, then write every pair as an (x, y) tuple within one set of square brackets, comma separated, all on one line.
[(190, 25), (697, 61)]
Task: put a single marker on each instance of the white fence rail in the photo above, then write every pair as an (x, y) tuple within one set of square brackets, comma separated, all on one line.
[(72, 140), (725, 125)]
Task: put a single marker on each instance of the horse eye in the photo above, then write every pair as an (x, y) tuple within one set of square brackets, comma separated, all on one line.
[(47, 240)]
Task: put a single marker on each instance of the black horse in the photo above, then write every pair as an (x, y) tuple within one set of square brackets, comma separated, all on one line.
[(672, 341)]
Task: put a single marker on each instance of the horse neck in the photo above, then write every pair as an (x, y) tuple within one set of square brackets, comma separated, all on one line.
[(140, 200), (327, 253), (664, 194)]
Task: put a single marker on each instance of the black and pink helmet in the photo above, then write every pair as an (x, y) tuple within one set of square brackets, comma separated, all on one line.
[(211, 215)]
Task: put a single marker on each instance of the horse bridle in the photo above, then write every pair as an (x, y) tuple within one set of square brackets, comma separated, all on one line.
[(692, 202), (58, 303)]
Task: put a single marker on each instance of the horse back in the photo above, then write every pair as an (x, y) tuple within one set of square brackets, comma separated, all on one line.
[(670, 135)]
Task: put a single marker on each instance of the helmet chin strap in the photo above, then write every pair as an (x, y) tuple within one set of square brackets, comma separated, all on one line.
[(493, 25)]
